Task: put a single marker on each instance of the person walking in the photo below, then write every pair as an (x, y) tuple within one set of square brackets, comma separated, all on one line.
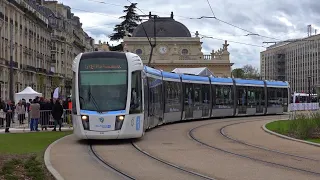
[(57, 112), (34, 115), (9, 108), (21, 111)]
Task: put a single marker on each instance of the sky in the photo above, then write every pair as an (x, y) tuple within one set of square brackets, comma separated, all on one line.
[(272, 20)]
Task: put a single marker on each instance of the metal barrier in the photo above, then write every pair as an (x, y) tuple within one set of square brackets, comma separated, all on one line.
[(295, 114), (22, 121)]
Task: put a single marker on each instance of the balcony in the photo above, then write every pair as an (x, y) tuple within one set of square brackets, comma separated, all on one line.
[(31, 68), (14, 65), (41, 70), (207, 57)]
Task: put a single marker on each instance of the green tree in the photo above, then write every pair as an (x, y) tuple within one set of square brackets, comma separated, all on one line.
[(129, 23), (251, 72), (41, 81), (238, 73)]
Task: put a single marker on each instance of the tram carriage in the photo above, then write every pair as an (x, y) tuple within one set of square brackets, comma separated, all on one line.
[(114, 96)]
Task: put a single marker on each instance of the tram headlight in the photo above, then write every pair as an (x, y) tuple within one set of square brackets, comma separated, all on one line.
[(120, 118), (85, 122), (84, 118), (119, 122)]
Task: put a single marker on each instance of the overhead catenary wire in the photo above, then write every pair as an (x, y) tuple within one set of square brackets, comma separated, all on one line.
[(205, 36), (202, 17)]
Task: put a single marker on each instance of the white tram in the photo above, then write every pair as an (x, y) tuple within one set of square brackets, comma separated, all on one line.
[(104, 84), (116, 97)]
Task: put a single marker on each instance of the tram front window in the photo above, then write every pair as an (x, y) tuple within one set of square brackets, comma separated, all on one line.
[(103, 89)]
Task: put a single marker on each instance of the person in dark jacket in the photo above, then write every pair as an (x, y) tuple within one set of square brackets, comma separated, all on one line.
[(9, 109), (57, 112)]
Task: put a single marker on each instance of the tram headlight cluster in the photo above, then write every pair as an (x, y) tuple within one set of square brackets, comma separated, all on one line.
[(119, 122), (85, 122)]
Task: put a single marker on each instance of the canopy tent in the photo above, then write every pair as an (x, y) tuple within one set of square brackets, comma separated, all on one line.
[(27, 93), (202, 71)]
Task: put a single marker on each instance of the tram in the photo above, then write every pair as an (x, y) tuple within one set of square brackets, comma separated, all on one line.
[(114, 96)]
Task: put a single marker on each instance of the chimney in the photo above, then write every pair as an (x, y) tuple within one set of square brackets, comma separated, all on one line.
[(315, 32), (171, 15)]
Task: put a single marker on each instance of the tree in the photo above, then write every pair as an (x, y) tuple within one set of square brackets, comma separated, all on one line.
[(250, 72), (238, 73), (130, 22)]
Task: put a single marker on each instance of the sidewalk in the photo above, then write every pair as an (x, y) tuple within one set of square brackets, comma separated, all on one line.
[(27, 130), (69, 159)]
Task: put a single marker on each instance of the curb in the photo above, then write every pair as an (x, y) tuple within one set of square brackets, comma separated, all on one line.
[(287, 137), (47, 162)]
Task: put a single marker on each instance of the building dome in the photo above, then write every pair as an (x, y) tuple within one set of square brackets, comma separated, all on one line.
[(165, 27)]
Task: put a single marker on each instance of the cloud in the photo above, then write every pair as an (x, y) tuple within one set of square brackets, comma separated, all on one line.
[(282, 20)]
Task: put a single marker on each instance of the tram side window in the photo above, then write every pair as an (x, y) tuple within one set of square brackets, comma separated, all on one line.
[(223, 96), (206, 94), (172, 96), (285, 96), (197, 95), (189, 95), (274, 97), (155, 96), (252, 93), (136, 93), (242, 93), (73, 95)]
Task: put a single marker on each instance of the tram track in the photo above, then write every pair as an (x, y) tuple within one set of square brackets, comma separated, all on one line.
[(192, 135), (171, 164), (107, 165), (222, 132), (123, 175)]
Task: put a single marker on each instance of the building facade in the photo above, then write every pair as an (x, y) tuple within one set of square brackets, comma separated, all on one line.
[(175, 47), (296, 61), (45, 41), (101, 46)]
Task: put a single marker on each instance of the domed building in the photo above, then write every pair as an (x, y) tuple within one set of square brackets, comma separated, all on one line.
[(175, 47)]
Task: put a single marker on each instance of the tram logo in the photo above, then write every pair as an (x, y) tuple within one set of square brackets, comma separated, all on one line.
[(101, 119)]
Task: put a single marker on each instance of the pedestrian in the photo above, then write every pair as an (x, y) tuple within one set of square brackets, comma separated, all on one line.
[(57, 112), (9, 115), (21, 111), (34, 115)]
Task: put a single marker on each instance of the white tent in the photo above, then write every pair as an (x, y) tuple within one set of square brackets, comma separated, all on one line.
[(202, 71), (27, 93)]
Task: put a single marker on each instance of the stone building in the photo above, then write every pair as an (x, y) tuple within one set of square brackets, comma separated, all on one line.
[(296, 61), (46, 38), (101, 46), (175, 47)]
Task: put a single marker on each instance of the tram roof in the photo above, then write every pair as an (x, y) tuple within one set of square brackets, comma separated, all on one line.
[(221, 80), (170, 75), (195, 78), (152, 71), (248, 81), (277, 83)]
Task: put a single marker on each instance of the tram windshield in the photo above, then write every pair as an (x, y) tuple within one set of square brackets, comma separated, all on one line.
[(103, 84)]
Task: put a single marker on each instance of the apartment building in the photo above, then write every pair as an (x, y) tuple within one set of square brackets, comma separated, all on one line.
[(295, 61), (46, 37)]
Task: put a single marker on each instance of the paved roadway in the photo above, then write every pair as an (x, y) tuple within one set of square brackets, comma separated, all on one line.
[(173, 144)]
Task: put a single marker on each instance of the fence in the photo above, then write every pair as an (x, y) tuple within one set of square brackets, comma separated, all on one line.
[(22, 121)]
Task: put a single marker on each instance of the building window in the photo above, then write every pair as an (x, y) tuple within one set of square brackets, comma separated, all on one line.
[(184, 51), (138, 51)]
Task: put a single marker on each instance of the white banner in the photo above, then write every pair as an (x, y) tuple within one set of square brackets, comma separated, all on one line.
[(56, 93)]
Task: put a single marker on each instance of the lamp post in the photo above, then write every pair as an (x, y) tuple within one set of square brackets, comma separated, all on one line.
[(309, 88), (1, 24)]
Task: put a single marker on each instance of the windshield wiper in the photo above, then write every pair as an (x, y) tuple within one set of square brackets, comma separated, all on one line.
[(94, 101)]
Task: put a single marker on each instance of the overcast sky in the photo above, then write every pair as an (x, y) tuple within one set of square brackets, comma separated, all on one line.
[(279, 19)]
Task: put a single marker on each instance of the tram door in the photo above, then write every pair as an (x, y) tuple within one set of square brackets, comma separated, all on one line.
[(188, 100), (205, 100), (242, 100), (259, 100)]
